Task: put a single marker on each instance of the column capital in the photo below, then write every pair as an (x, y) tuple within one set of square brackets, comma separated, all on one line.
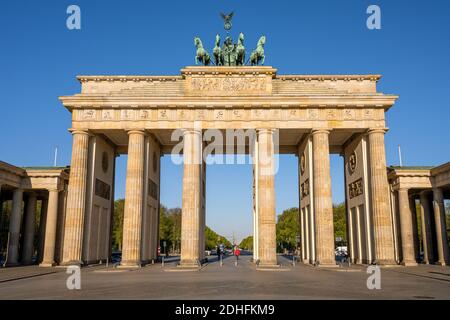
[(265, 131), (192, 131), (377, 130), (76, 131), (437, 195), (136, 131), (321, 130)]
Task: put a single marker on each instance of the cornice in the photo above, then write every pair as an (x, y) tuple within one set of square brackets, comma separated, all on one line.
[(137, 78), (330, 77), (319, 101)]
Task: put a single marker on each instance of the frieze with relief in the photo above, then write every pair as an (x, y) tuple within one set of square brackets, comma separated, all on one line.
[(223, 114), (227, 85)]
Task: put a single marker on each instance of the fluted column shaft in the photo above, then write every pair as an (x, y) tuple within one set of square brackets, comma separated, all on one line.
[(42, 222), (76, 200), (134, 197), (412, 206), (267, 245), (323, 205), (427, 240), (441, 232), (50, 229), (14, 228), (406, 228), (381, 214), (30, 222), (191, 221)]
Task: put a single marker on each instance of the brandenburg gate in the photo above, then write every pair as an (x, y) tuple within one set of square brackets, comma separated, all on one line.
[(310, 116)]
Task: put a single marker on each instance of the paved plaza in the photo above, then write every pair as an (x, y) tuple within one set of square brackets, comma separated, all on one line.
[(226, 282)]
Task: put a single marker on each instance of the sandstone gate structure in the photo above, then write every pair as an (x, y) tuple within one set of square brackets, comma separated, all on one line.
[(313, 116), (304, 115)]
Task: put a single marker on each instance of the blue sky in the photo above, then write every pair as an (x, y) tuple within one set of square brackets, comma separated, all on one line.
[(40, 58)]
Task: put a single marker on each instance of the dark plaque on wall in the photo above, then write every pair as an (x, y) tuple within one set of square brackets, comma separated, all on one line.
[(355, 189), (102, 189), (352, 163), (305, 189), (152, 189)]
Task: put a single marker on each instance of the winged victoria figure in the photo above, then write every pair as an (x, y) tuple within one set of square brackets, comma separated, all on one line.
[(227, 20)]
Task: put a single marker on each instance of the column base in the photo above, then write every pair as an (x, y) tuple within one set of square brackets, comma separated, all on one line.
[(410, 264), (327, 265), (386, 262), (189, 263), (130, 264), (47, 264), (71, 263), (268, 264)]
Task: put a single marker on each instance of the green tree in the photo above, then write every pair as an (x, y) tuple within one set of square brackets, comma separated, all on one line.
[(340, 222), (169, 229), (212, 239), (174, 216), (165, 227), (247, 243), (117, 232), (288, 228)]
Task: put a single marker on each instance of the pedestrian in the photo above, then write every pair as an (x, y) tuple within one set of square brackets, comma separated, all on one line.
[(237, 253), (219, 252)]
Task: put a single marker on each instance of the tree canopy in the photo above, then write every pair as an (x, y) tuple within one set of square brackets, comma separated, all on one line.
[(288, 228), (169, 229), (247, 243)]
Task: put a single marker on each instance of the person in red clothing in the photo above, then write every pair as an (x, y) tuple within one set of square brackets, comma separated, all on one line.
[(237, 253)]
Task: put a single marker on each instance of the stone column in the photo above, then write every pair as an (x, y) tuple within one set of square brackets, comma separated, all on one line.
[(14, 229), (406, 228), (76, 200), (50, 229), (42, 222), (427, 240), (191, 204), (323, 205), (255, 199), (412, 206), (134, 199), (266, 199), (30, 226), (441, 232), (382, 219)]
